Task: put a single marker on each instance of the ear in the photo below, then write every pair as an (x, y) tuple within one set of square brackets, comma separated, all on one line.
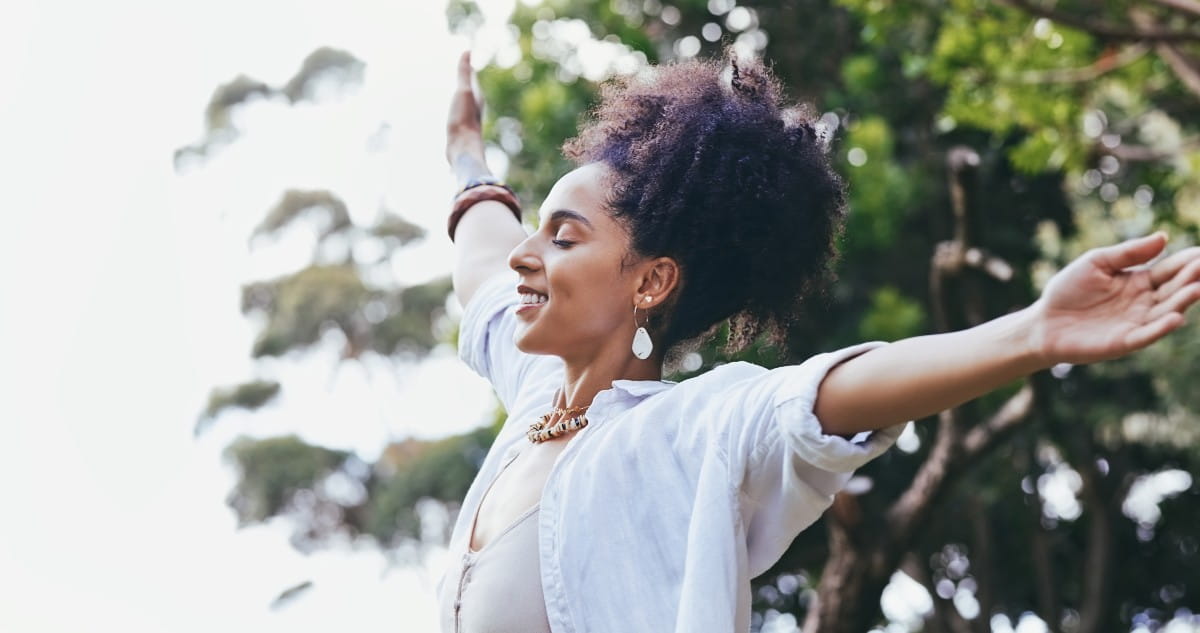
[(660, 277)]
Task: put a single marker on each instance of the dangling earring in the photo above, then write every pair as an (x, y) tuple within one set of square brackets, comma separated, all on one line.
[(642, 345)]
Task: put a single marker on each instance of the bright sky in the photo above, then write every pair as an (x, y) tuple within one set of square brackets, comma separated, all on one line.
[(119, 292)]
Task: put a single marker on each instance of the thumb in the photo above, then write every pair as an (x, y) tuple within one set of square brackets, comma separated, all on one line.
[(1131, 252)]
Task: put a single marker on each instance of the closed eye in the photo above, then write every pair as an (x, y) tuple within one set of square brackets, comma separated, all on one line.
[(561, 243)]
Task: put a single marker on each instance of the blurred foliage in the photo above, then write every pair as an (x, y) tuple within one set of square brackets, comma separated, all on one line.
[(301, 306), (285, 476), (323, 71), (892, 316), (296, 203), (338, 67), (240, 90), (291, 593), (396, 231), (1177, 385), (273, 471), (348, 293), (249, 395), (1087, 133), (412, 470), (879, 210)]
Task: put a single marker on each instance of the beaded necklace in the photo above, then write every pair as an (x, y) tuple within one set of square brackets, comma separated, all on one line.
[(541, 430), (573, 419)]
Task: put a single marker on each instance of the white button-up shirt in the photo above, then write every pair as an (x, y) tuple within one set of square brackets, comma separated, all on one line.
[(659, 512)]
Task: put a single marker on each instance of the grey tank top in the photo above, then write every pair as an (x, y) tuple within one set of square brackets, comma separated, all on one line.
[(497, 589)]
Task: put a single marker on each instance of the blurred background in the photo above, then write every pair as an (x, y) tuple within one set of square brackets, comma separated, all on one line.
[(230, 396)]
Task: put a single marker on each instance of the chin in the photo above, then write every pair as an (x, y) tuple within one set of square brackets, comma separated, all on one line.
[(522, 342)]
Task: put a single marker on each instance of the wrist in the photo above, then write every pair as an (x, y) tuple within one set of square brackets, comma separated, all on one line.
[(465, 145), (468, 166), (456, 152), (1030, 338), (479, 181)]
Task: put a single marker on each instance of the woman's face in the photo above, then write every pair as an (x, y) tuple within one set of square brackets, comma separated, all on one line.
[(574, 258)]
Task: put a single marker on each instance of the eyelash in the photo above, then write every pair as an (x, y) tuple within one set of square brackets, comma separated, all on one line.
[(561, 243)]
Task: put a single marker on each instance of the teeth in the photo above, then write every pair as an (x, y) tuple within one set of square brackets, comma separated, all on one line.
[(532, 298)]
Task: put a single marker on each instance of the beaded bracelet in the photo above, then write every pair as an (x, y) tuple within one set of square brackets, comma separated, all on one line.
[(476, 192), (483, 180)]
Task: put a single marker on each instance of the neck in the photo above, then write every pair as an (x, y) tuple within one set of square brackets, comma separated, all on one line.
[(583, 381)]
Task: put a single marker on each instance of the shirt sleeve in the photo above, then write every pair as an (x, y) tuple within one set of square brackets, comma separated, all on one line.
[(485, 338), (786, 467)]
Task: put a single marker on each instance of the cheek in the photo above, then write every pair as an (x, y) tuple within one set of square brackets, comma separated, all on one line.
[(594, 309), (589, 292)]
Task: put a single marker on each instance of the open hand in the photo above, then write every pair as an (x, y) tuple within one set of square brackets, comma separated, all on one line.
[(464, 124), (1108, 303)]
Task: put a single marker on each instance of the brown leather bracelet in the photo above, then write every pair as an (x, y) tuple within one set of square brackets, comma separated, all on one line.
[(470, 197)]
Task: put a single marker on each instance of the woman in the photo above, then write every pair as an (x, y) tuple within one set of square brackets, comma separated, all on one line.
[(613, 500)]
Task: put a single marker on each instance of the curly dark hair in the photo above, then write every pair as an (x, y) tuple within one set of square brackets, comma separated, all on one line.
[(712, 169)]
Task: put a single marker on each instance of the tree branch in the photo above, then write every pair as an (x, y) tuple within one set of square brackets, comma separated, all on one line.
[(1015, 412), (949, 453), (1103, 29), (912, 507), (1183, 68), (1090, 72), (1187, 6)]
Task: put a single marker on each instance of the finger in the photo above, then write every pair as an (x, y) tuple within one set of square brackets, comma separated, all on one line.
[(1189, 273), (1131, 252), (1153, 330), (464, 69), (1178, 302), (1163, 271)]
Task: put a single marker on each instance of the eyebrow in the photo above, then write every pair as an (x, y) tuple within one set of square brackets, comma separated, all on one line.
[(567, 214)]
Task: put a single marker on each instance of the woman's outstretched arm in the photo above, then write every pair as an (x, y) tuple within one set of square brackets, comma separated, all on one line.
[(488, 232), (1097, 308)]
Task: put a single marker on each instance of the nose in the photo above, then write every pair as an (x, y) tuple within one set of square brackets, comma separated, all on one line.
[(522, 258)]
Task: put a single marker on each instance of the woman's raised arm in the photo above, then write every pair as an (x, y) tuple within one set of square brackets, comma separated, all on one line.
[(488, 232), (1097, 308)]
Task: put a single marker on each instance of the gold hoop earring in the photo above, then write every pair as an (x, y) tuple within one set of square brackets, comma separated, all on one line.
[(642, 345)]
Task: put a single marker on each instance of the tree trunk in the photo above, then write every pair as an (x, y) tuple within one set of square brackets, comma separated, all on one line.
[(848, 598), (863, 555)]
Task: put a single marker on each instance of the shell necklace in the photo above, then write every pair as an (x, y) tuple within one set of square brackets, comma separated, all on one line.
[(571, 419)]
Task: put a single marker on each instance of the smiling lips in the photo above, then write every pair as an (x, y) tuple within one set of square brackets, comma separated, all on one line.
[(530, 298)]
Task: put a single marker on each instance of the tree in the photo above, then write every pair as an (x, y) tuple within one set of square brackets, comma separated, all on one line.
[(993, 141), (346, 294)]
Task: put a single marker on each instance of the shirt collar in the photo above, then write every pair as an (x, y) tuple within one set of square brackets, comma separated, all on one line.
[(642, 387)]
